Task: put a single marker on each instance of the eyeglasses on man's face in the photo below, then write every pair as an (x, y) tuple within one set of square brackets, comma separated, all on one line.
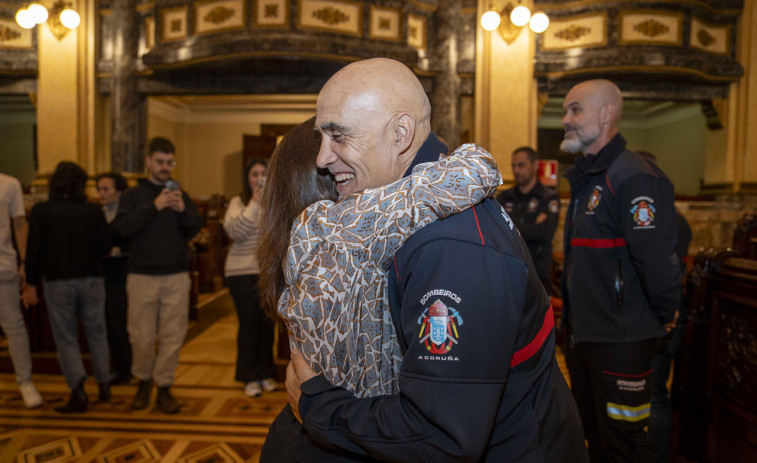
[(165, 162)]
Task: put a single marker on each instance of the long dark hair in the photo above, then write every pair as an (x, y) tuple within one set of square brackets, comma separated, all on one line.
[(294, 183), (68, 182), (246, 190)]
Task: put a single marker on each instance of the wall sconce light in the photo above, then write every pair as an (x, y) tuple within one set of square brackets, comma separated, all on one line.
[(62, 17), (511, 19)]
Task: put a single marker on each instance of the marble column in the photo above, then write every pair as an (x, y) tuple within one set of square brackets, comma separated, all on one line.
[(445, 95), (128, 108)]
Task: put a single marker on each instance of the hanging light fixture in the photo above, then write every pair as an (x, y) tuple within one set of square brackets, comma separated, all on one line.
[(520, 15), (539, 22), (60, 19), (511, 19), (490, 20)]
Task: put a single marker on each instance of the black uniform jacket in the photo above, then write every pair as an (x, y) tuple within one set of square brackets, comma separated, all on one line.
[(157, 239), (621, 281), (523, 208), (479, 380)]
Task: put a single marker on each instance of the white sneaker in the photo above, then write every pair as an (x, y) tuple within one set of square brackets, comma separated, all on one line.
[(269, 385), (252, 389), (32, 398)]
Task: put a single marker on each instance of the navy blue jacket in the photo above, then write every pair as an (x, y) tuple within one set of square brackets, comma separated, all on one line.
[(479, 381), (621, 281), (523, 208)]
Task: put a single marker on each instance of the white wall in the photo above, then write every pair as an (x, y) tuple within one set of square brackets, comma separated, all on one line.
[(208, 134)]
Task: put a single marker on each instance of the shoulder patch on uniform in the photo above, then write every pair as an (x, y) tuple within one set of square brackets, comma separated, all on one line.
[(554, 206), (643, 212), (438, 328)]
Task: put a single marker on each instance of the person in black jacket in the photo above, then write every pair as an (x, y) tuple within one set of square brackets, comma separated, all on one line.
[(661, 417), (535, 209), (67, 238), (158, 219), (479, 380), (110, 187), (621, 281)]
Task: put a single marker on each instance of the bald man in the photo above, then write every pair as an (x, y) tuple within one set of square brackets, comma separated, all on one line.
[(478, 380), (621, 281)]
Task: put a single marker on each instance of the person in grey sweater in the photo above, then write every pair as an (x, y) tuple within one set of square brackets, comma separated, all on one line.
[(255, 336)]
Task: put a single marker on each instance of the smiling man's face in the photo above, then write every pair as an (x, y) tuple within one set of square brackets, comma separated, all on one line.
[(356, 143)]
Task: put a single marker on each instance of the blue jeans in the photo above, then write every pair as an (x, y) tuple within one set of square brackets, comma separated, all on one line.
[(12, 322), (67, 302)]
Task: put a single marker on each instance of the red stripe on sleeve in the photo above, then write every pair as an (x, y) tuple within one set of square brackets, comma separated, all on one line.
[(538, 341)]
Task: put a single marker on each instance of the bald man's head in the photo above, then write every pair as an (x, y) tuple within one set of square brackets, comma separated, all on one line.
[(374, 116), (592, 116)]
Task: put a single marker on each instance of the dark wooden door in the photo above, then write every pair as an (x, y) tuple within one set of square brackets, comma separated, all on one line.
[(257, 146)]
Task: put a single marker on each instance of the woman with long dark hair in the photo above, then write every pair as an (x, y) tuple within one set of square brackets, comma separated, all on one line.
[(67, 238), (323, 264), (255, 335)]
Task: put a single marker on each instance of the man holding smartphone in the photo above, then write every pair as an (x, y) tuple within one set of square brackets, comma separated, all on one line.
[(157, 218)]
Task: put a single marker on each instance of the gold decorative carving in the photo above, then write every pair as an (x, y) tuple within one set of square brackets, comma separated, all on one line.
[(176, 25), (651, 28), (271, 11), (331, 15), (572, 33), (705, 38), (385, 23), (507, 30), (7, 34), (412, 32), (218, 15)]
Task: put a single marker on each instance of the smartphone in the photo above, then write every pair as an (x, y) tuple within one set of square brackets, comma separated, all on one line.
[(172, 185)]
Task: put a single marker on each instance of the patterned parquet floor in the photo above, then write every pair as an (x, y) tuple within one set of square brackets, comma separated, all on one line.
[(217, 423)]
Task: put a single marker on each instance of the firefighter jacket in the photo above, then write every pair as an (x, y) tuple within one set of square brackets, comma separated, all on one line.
[(523, 208), (621, 281), (479, 380)]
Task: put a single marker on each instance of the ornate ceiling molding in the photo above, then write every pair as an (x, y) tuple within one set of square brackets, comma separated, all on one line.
[(660, 41)]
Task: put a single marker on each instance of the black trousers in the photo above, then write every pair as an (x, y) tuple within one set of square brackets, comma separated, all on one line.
[(612, 385), (255, 335), (116, 305)]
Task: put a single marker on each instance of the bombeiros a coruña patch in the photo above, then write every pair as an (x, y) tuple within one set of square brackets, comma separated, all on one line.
[(439, 328), (643, 212)]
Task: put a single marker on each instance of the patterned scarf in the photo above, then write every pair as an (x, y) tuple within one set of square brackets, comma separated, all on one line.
[(335, 303)]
